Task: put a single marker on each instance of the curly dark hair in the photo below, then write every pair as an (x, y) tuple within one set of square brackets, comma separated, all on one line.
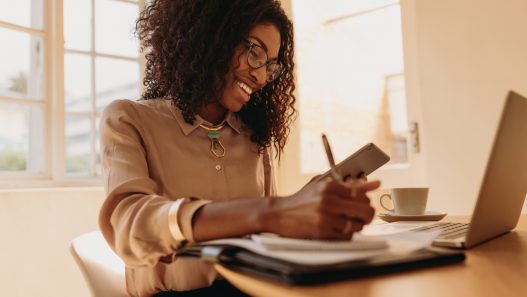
[(189, 44)]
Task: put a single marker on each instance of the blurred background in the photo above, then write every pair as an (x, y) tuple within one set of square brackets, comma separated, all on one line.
[(424, 80)]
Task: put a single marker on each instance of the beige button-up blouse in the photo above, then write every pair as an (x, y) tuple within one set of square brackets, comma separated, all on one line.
[(158, 170)]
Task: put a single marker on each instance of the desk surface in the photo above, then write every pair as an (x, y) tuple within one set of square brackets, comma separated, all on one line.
[(495, 268)]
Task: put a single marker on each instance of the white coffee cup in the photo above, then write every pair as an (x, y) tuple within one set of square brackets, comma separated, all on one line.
[(406, 201)]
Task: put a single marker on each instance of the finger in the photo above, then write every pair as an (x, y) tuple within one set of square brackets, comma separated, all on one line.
[(361, 212), (336, 221), (348, 178), (348, 228), (364, 185), (340, 228), (362, 176), (351, 189), (352, 226), (338, 235), (343, 189), (355, 209), (343, 229), (335, 187), (356, 225), (336, 205), (359, 189)]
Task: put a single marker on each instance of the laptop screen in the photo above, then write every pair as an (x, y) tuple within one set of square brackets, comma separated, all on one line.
[(504, 184)]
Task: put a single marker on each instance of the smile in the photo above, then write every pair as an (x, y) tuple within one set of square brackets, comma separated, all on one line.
[(244, 87)]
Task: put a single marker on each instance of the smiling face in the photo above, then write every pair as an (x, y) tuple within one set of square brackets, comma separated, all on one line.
[(242, 80)]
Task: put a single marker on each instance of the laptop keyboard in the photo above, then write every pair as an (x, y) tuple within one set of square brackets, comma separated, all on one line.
[(448, 230)]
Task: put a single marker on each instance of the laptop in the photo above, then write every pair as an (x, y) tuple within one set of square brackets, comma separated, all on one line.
[(504, 186)]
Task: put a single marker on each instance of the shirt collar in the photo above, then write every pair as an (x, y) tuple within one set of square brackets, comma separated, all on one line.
[(232, 120)]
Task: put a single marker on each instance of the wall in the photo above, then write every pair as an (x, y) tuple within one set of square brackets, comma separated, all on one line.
[(36, 227), (470, 53)]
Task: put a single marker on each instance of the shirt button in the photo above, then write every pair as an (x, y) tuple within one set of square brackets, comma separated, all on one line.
[(218, 167)]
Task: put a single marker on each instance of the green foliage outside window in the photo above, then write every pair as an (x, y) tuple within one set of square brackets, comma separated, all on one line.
[(12, 161), (19, 83)]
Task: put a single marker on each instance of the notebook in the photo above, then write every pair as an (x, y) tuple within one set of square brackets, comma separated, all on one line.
[(315, 267), (504, 186)]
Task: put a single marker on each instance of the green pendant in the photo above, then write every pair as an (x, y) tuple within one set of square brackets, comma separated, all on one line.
[(216, 147), (214, 134)]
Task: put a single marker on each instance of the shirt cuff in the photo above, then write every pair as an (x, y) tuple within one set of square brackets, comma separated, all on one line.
[(180, 217)]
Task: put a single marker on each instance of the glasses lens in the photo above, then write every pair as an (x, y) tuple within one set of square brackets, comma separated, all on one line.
[(257, 57), (273, 71)]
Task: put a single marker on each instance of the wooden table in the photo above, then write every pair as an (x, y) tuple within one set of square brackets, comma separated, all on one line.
[(495, 268)]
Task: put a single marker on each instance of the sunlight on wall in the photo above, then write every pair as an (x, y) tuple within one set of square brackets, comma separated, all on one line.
[(350, 78)]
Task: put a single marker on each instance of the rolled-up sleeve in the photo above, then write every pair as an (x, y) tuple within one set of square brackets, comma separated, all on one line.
[(139, 223)]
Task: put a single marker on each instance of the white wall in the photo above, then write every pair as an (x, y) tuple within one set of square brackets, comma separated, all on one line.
[(36, 227), (470, 53)]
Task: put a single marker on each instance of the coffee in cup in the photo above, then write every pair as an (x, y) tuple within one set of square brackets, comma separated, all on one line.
[(406, 201)]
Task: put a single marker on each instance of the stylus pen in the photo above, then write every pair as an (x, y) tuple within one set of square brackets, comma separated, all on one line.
[(333, 170)]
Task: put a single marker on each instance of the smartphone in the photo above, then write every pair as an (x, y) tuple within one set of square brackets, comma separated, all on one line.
[(364, 161)]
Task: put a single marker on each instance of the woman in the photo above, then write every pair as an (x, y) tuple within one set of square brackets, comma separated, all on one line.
[(191, 162)]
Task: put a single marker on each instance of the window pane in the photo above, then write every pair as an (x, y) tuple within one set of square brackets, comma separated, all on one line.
[(22, 142), (114, 23), (77, 82), (98, 169), (77, 24), (350, 78), (397, 127), (27, 13), (115, 79), (78, 137), (21, 60)]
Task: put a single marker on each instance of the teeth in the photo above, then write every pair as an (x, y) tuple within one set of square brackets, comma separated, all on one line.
[(244, 87)]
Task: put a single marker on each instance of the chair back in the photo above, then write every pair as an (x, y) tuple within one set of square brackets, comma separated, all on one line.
[(102, 269)]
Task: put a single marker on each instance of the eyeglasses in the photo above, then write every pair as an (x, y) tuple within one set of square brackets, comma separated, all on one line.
[(257, 58)]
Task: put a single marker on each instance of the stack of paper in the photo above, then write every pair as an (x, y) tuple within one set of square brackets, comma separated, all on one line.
[(271, 241), (310, 252)]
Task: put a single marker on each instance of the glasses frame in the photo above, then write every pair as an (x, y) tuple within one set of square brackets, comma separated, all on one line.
[(269, 77)]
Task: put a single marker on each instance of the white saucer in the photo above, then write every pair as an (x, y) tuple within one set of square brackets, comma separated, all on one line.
[(427, 216)]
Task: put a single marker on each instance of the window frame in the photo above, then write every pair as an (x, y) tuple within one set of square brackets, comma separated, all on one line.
[(290, 179), (53, 101)]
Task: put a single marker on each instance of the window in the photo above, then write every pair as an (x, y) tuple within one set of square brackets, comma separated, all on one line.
[(52, 93), (351, 84), (100, 64), (22, 97)]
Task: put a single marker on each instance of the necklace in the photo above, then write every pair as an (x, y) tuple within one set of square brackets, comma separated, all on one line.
[(216, 147)]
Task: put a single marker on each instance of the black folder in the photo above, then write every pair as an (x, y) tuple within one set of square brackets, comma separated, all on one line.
[(246, 261)]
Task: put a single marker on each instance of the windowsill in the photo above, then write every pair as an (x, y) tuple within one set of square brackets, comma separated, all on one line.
[(32, 184), (51, 189)]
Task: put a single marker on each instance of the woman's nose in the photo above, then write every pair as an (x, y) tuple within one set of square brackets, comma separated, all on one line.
[(259, 75)]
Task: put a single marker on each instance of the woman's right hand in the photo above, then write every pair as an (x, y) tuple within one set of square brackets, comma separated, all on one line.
[(322, 210)]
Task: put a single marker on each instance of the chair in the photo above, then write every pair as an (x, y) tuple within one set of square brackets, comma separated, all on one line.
[(102, 269)]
